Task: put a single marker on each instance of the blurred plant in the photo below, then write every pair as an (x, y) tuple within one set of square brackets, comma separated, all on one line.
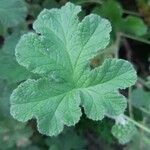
[(132, 25), (14, 134), (144, 9), (12, 13), (68, 140), (10, 69)]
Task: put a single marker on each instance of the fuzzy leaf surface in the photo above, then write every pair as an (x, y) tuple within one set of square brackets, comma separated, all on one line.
[(124, 133), (60, 51)]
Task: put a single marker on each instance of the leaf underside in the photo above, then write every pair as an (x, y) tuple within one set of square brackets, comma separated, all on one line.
[(60, 51)]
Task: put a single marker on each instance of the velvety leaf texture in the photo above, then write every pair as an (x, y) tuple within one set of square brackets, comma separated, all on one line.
[(60, 51), (124, 133)]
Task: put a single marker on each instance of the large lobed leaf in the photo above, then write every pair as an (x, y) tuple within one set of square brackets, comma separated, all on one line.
[(60, 51)]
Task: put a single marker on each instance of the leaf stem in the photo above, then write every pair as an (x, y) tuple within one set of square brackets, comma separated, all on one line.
[(92, 1), (131, 13), (144, 111), (138, 124), (117, 44), (135, 38), (130, 103), (143, 82)]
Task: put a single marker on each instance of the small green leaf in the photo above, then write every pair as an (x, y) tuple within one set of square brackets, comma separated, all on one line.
[(134, 25), (60, 51), (124, 132), (12, 12), (114, 14)]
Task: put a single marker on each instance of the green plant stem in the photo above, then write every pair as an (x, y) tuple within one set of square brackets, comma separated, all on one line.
[(117, 44), (130, 103), (143, 82), (130, 107), (135, 38), (145, 111), (142, 134), (131, 13), (90, 1), (138, 124)]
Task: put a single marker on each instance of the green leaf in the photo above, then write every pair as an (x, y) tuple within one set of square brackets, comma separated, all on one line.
[(60, 51), (134, 25), (12, 12), (68, 140), (131, 24), (10, 69), (124, 132), (114, 14), (58, 105)]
